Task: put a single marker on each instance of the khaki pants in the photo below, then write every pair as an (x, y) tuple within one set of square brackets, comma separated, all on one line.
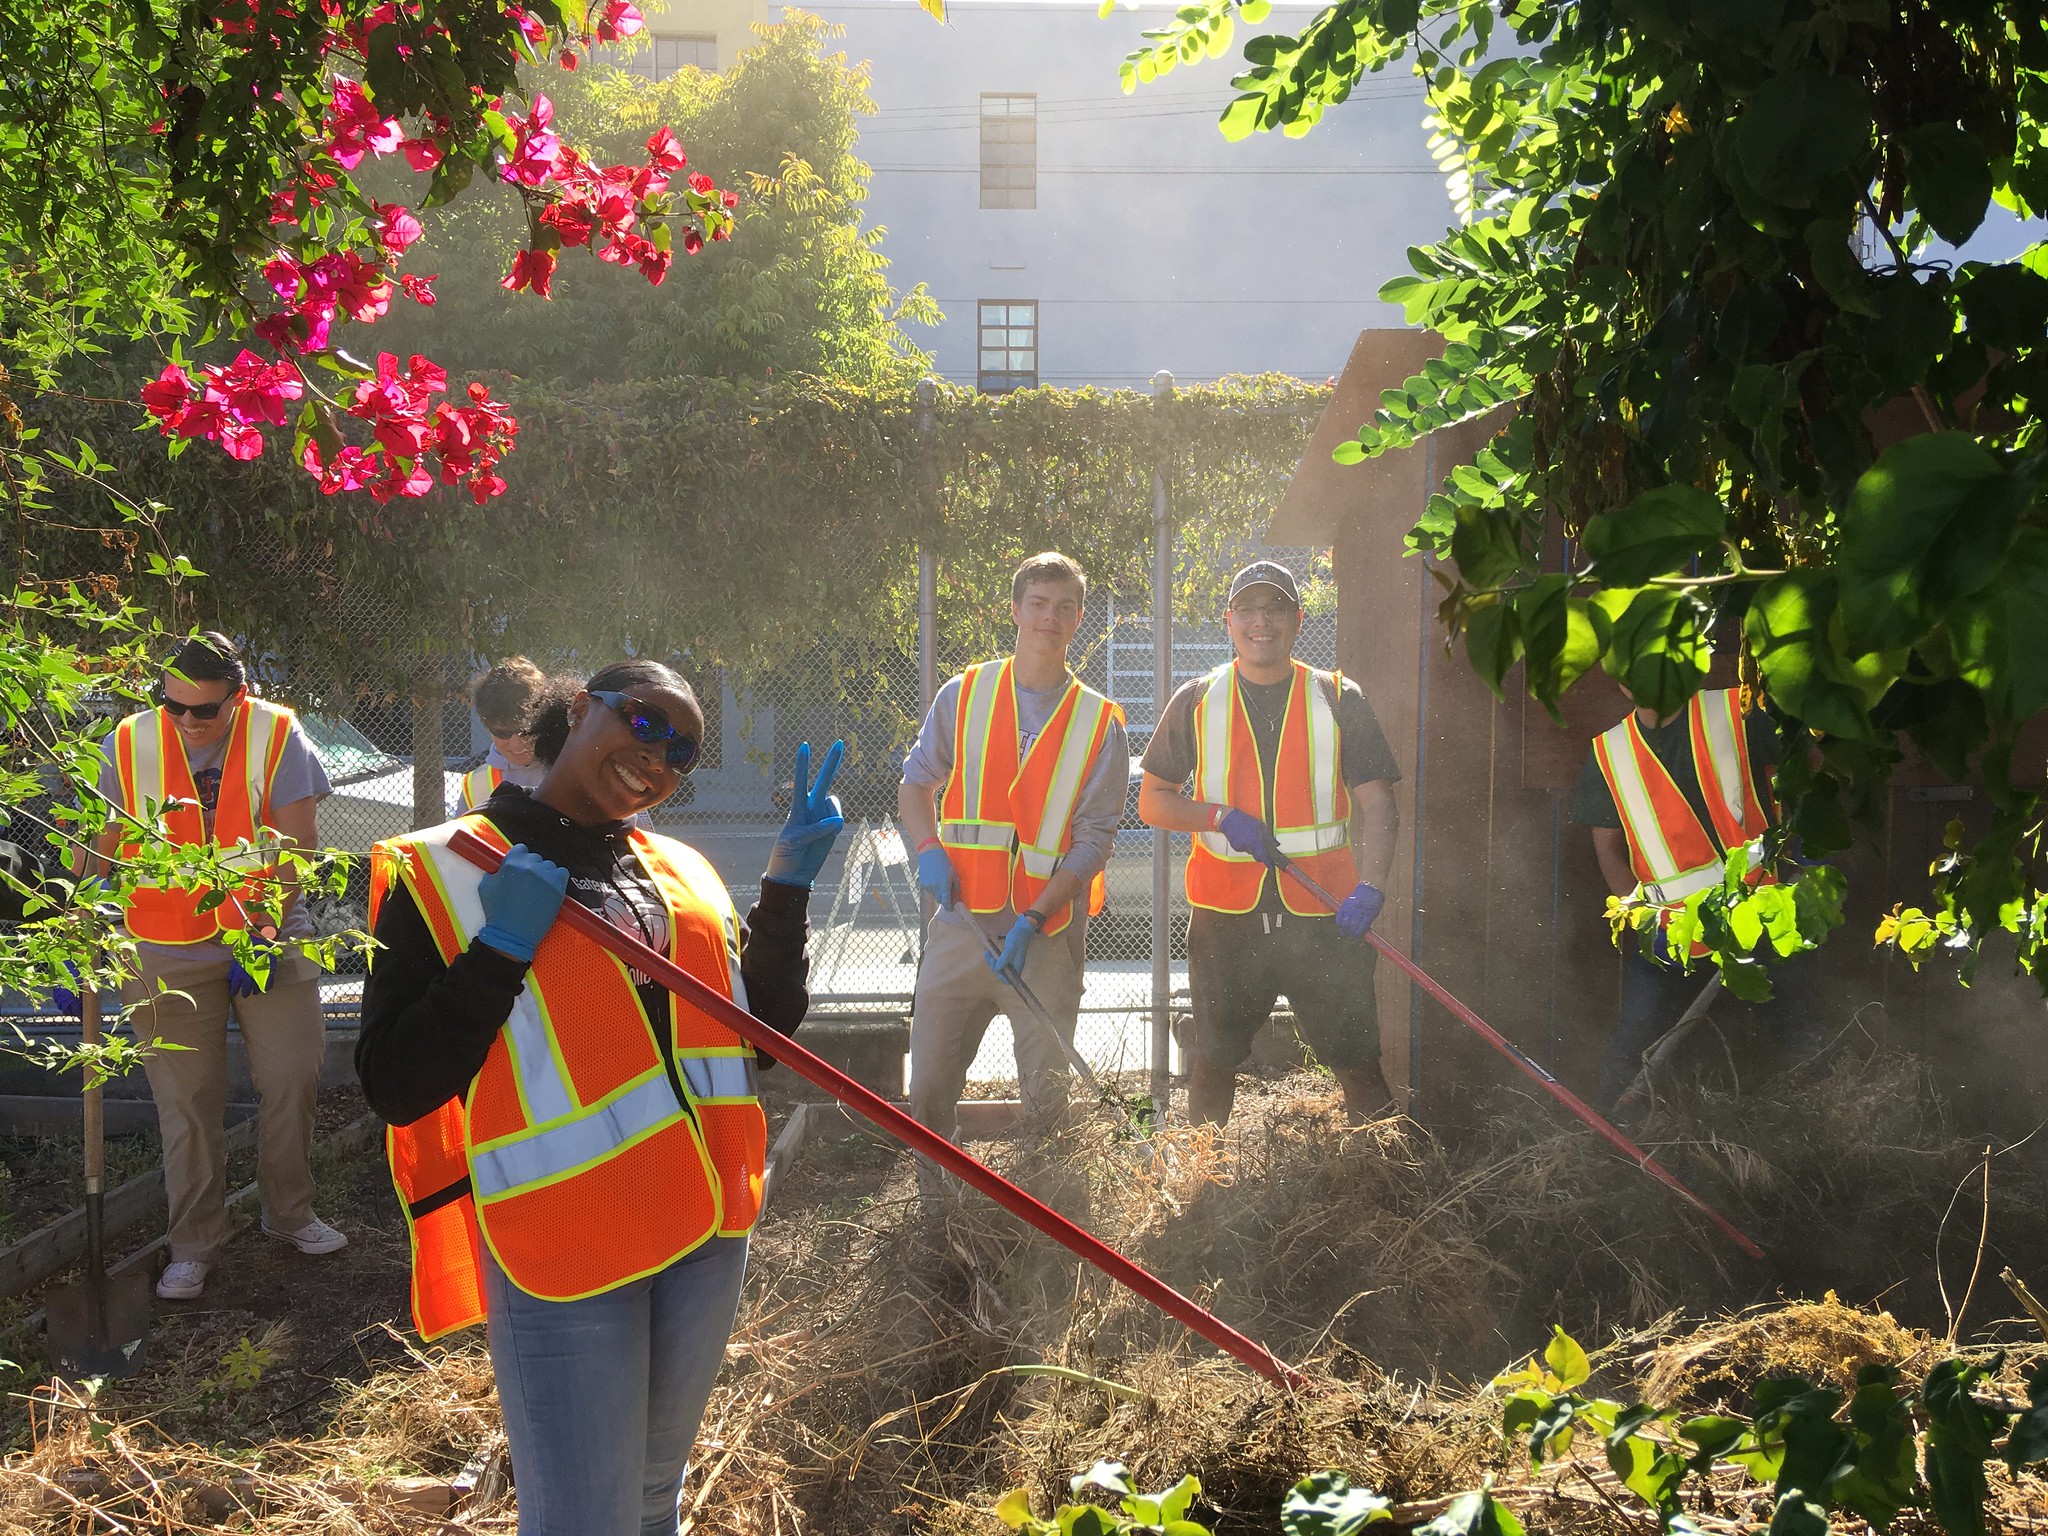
[(285, 1037), (958, 996)]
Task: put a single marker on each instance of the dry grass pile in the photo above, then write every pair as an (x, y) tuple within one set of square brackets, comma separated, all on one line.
[(896, 1369)]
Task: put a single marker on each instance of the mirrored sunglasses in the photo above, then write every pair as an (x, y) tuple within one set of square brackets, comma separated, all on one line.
[(651, 727)]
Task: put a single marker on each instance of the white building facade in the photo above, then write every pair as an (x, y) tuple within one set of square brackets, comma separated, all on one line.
[(1075, 235)]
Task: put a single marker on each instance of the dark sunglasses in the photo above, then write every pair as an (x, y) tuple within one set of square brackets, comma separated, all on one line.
[(498, 735), (650, 727), (196, 711)]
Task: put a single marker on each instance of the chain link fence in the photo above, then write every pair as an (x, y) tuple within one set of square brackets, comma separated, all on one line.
[(865, 912)]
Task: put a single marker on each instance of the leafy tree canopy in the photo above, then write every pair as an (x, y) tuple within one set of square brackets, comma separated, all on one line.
[(1704, 258), (802, 288)]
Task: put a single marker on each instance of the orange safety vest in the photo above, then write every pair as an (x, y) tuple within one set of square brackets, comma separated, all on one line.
[(1006, 823), (588, 1151), (1309, 807), (1672, 854), (156, 780), (479, 784)]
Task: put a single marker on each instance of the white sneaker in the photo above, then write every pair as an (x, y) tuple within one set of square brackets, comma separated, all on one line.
[(314, 1237), (183, 1280)]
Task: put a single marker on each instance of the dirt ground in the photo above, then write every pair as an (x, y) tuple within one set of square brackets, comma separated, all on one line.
[(886, 1374)]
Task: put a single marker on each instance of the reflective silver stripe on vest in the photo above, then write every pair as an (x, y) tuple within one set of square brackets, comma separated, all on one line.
[(1716, 713), (977, 706), (533, 1157), (1671, 891), (1213, 756), (976, 834), (1069, 770), (718, 1077), (543, 1082)]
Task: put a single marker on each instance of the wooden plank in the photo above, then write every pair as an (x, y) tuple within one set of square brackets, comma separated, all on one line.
[(54, 1248)]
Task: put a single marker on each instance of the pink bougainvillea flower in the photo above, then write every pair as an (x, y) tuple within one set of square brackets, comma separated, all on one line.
[(166, 395), (530, 27), (421, 154), (530, 269), (355, 127), (239, 440), (350, 470), (664, 152), (729, 199), (701, 184), (621, 18), (250, 390), (419, 289), (282, 273), (483, 486), (397, 227), (692, 242), (571, 220)]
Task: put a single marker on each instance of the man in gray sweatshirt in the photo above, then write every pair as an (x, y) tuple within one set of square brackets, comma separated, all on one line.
[(1011, 797)]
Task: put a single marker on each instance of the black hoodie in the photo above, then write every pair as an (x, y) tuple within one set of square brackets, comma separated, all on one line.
[(428, 1026)]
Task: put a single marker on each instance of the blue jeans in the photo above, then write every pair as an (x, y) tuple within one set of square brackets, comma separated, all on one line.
[(1655, 995), (602, 1396)]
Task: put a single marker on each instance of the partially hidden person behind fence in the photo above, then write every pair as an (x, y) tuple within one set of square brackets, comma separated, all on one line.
[(1284, 759), (579, 1152), (506, 699), (1011, 796), (222, 766), (1666, 798)]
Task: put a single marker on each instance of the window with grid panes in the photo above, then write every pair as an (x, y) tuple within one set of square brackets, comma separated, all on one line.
[(1009, 150), (663, 56), (1009, 345)]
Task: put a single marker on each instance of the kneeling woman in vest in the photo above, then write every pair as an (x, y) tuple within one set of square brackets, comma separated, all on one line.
[(579, 1153)]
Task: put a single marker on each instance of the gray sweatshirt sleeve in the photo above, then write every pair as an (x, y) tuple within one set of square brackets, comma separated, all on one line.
[(930, 760), (1101, 806)]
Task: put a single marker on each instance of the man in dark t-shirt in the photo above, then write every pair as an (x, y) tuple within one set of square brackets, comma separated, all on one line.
[(1278, 755), (1656, 988)]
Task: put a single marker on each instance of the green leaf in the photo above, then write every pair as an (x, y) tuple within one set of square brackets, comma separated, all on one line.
[(1659, 651), (1014, 1508), (1565, 1360), (1562, 636), (1790, 629), (1799, 130), (1657, 533), (1927, 524), (1949, 177), (1486, 546), (2000, 637), (1473, 1514), (1113, 1475), (1329, 1504), (1493, 640), (1798, 1515), (1960, 1435), (2028, 1442)]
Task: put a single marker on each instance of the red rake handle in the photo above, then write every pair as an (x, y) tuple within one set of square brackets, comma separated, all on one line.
[(919, 1138), (1550, 1085)]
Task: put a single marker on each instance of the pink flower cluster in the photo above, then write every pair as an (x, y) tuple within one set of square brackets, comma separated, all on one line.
[(417, 436), (599, 205), (227, 403), (407, 424)]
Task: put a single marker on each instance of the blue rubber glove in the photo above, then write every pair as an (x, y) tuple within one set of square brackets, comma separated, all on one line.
[(1247, 834), (1361, 910), (520, 899), (1016, 945), (240, 982), (815, 818), (937, 879)]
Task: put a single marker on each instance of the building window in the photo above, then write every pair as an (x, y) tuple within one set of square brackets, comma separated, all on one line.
[(1009, 151), (1009, 345), (661, 57)]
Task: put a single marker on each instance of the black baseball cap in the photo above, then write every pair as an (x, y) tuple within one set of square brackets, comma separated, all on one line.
[(1265, 573)]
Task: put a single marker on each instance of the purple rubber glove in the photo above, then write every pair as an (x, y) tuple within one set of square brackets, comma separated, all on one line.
[(1361, 910), (1247, 834), (240, 982), (66, 1000)]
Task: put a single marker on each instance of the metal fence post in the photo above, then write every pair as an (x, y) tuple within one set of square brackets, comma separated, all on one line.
[(927, 562), (1162, 690)]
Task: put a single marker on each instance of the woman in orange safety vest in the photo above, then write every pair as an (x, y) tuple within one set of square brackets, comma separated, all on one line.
[(580, 1153)]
